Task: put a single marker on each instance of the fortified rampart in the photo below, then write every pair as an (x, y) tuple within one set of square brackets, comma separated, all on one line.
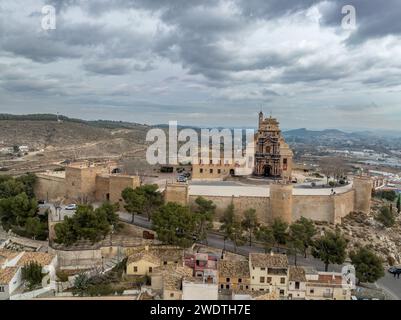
[(285, 202), (84, 183)]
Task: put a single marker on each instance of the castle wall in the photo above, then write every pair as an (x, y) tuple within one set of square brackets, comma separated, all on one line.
[(102, 188), (363, 194), (343, 205), (176, 192), (81, 183), (288, 207), (118, 183), (49, 187), (318, 208)]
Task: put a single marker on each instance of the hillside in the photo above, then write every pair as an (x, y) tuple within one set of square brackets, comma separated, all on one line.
[(51, 142)]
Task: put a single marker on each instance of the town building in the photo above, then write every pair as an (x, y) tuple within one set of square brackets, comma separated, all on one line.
[(326, 286), (167, 280), (269, 272), (233, 275), (10, 280), (204, 265), (144, 259), (197, 289), (296, 283)]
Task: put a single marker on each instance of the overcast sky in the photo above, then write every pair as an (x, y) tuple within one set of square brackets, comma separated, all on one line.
[(205, 62)]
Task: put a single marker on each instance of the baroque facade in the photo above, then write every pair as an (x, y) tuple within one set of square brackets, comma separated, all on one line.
[(273, 157)]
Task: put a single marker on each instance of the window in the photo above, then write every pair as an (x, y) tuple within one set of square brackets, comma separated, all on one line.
[(211, 170), (269, 279), (222, 286), (150, 269), (227, 286), (227, 279), (218, 171), (247, 287), (311, 291), (1, 289), (200, 170), (239, 280), (164, 262), (281, 292), (135, 269), (282, 280), (263, 269), (210, 161), (296, 285), (171, 295), (261, 289), (262, 280)]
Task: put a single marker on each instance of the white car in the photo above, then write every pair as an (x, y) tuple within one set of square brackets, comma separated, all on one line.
[(71, 207)]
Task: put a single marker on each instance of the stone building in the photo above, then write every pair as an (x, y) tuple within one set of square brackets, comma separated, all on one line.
[(273, 157), (269, 272), (268, 156), (84, 182)]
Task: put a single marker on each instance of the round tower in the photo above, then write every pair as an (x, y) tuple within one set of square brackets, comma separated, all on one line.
[(363, 193), (281, 202)]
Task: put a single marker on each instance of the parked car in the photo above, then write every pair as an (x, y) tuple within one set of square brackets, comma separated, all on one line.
[(394, 270), (181, 179), (71, 207)]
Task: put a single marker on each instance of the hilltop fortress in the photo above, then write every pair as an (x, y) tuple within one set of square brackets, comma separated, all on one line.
[(270, 162)]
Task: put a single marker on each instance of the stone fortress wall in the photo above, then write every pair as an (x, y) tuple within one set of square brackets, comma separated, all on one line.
[(285, 202), (84, 182)]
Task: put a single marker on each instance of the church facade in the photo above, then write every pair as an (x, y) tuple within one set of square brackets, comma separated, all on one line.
[(273, 156)]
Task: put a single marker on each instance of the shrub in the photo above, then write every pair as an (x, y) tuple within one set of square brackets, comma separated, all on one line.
[(332, 183), (386, 217), (62, 276)]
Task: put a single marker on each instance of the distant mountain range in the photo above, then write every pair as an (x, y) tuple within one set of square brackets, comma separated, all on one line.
[(378, 140)]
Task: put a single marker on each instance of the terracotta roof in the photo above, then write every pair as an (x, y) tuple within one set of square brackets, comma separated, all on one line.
[(297, 274), (228, 268), (329, 279), (268, 296), (172, 282), (41, 258), (183, 271), (262, 260), (143, 255), (7, 274), (164, 253), (6, 254)]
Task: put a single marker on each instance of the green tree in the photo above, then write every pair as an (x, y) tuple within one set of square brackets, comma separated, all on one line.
[(386, 217), (296, 239), (265, 235), (34, 227), (227, 221), (237, 234), (110, 212), (279, 228), (86, 223), (204, 212), (304, 230), (31, 274), (368, 265), (134, 202), (153, 198), (330, 248), (250, 223), (399, 204), (81, 284), (174, 224), (28, 181)]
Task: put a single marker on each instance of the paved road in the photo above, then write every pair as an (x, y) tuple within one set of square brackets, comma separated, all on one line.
[(388, 282)]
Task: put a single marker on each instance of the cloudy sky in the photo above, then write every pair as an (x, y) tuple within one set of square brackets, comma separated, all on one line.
[(205, 62)]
